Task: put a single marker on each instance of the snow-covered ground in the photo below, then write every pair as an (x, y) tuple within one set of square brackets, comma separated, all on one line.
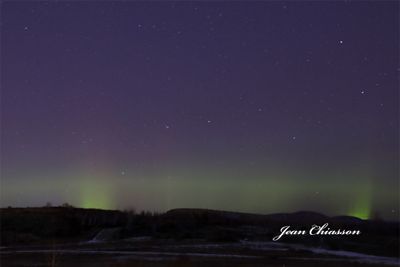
[(349, 255), (133, 253), (211, 250)]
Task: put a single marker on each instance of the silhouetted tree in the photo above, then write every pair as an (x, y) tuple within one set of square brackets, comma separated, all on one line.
[(66, 205)]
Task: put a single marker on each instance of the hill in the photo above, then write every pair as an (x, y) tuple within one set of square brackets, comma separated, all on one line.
[(24, 226)]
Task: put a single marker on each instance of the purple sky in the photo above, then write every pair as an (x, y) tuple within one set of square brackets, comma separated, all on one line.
[(189, 104)]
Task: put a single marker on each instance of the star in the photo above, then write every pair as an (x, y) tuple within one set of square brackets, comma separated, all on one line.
[(167, 127), (208, 121), (340, 41), (362, 92), (26, 28), (294, 137), (122, 172)]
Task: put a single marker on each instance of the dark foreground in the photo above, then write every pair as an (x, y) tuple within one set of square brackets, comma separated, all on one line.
[(72, 237), (144, 251)]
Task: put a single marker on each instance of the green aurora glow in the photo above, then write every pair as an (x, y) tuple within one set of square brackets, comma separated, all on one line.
[(258, 191)]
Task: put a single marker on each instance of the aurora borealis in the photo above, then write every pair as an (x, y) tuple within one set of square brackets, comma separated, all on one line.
[(246, 106)]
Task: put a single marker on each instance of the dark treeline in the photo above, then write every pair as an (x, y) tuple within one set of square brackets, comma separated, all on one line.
[(65, 224)]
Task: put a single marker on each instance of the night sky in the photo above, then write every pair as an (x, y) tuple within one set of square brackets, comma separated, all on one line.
[(245, 106)]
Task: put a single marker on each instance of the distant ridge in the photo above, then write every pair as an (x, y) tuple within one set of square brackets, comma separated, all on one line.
[(299, 216)]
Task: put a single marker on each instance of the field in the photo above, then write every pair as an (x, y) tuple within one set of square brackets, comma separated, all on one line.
[(69, 237)]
